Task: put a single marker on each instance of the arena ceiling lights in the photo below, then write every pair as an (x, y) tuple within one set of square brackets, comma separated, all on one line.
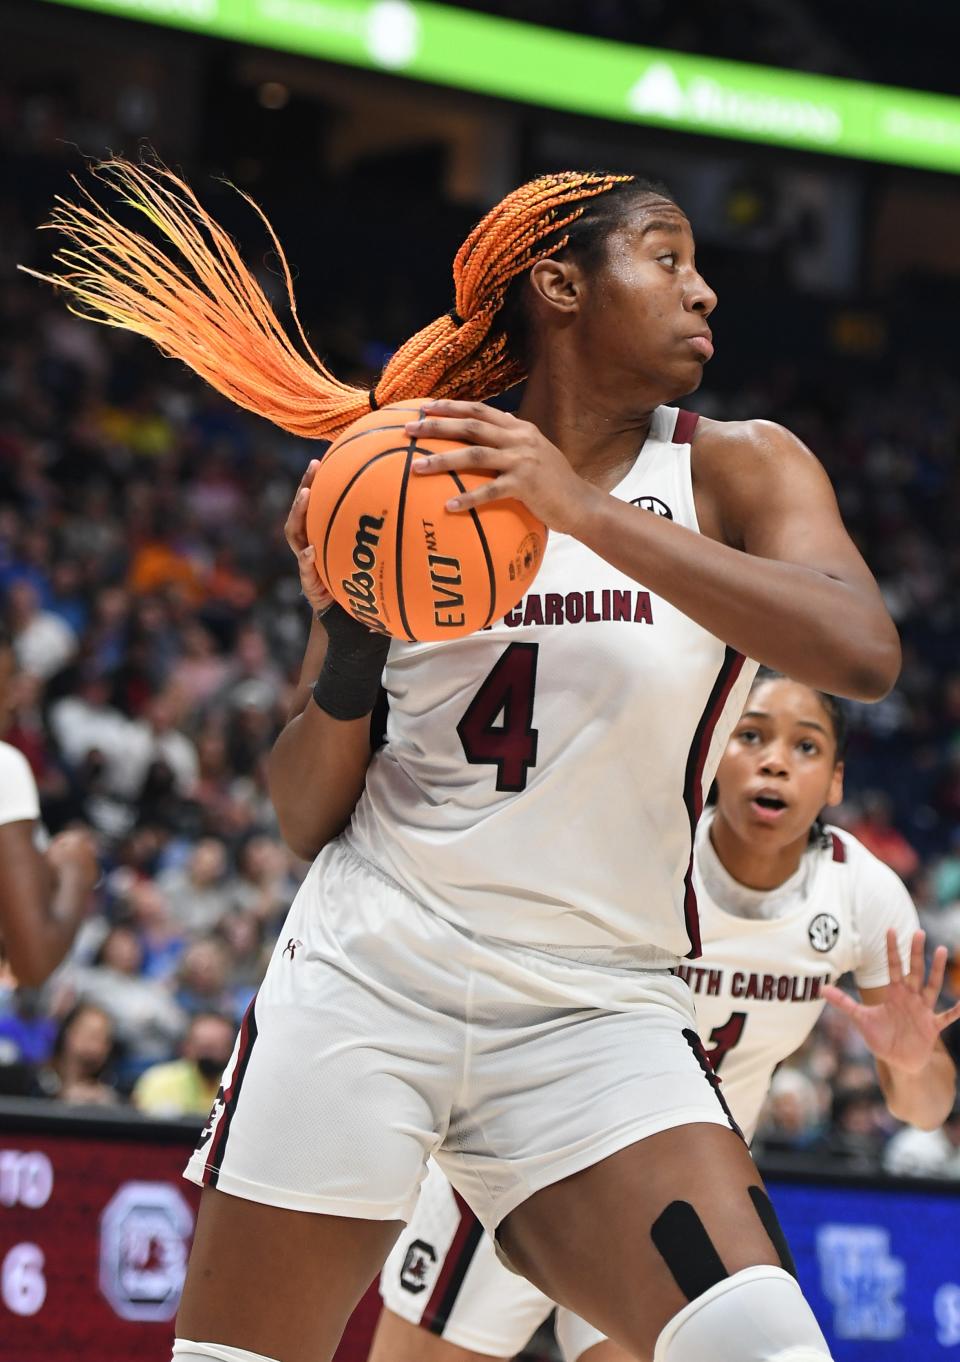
[(592, 76)]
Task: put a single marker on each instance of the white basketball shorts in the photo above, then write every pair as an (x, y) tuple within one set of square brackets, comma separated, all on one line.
[(444, 1276), (383, 1034)]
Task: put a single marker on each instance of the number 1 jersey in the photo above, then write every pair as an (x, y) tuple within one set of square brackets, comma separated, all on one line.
[(767, 953), (542, 778)]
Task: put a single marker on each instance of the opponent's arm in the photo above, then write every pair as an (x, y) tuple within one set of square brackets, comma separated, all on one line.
[(902, 1029), (42, 898), (319, 762), (813, 610)]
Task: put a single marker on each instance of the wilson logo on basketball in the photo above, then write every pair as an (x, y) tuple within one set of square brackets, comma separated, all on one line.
[(359, 585)]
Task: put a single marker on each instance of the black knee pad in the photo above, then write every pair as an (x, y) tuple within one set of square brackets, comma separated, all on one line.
[(681, 1239)]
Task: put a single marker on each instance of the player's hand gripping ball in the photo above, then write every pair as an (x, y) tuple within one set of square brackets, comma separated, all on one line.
[(394, 556)]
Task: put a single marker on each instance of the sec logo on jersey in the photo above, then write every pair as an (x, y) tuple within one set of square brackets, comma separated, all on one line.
[(653, 504), (823, 932)]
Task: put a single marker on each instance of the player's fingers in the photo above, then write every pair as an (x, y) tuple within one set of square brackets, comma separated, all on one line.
[(469, 430), (916, 960), (840, 1000), (495, 490), (295, 528), (461, 460), (938, 968), (307, 563), (309, 473), (449, 406), (894, 963), (947, 1018), (311, 583)]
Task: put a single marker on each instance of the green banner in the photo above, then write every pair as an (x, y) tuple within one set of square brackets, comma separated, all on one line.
[(559, 70)]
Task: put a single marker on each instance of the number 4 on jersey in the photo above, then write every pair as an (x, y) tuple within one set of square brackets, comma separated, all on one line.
[(510, 745)]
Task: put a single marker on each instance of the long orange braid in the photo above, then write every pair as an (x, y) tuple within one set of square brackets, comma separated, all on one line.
[(199, 302)]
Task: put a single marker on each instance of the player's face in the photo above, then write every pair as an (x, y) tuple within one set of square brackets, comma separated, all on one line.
[(651, 303), (780, 767)]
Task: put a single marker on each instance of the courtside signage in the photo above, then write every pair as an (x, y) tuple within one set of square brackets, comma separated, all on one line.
[(591, 76)]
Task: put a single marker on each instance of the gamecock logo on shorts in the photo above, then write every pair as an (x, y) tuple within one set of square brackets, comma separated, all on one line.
[(415, 1273), (145, 1233), (823, 932)]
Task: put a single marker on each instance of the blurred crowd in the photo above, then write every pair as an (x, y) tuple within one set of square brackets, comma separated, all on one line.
[(155, 615), (156, 621)]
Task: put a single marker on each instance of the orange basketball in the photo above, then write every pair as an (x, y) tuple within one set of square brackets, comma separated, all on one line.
[(390, 552)]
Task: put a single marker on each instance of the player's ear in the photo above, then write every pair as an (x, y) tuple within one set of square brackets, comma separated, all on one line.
[(835, 792), (556, 285)]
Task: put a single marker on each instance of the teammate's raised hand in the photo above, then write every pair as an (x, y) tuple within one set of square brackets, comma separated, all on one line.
[(903, 1028), (295, 529)]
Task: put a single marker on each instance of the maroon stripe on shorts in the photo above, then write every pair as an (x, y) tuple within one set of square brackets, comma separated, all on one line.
[(693, 781), (248, 1036), (443, 1298), (839, 850), (686, 424), (713, 1078)]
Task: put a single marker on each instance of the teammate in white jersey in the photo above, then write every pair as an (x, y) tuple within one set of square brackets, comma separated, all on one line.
[(481, 968), (44, 892), (786, 907)]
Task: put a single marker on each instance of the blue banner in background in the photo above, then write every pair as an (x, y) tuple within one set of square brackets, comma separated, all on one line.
[(879, 1265)]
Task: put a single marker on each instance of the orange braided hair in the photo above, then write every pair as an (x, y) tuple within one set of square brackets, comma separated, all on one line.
[(199, 302)]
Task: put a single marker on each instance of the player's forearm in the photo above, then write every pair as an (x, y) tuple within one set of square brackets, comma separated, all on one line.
[(316, 773), (824, 632), (316, 651), (318, 765), (921, 1099), (68, 906), (38, 933)]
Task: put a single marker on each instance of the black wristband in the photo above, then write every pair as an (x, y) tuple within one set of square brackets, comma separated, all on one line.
[(349, 681)]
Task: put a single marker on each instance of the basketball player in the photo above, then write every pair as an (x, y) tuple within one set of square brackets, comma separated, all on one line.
[(818, 904), (43, 894), (463, 972)]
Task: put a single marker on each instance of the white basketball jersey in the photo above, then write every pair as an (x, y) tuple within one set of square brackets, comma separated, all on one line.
[(541, 779), (19, 800), (768, 953)]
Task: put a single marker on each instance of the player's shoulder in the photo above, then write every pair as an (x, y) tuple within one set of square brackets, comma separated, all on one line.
[(19, 798), (869, 877), (14, 765), (744, 467), (755, 444)]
